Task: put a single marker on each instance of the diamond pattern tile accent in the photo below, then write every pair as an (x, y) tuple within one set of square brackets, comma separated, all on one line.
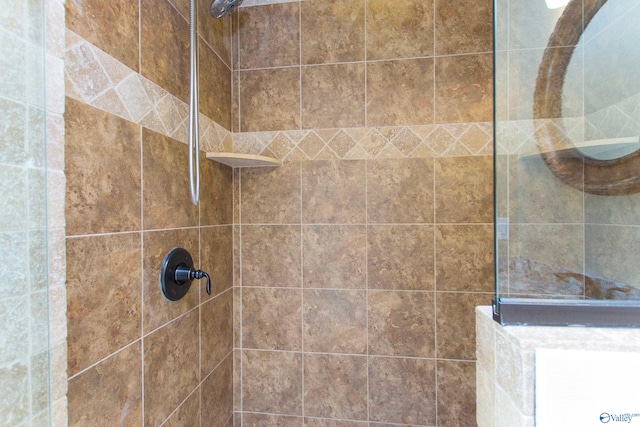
[(281, 145), (474, 138), (98, 79), (373, 142), (440, 140), (94, 77), (341, 144), (311, 145), (406, 141)]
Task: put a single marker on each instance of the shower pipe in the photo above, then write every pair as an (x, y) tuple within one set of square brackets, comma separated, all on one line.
[(194, 140), (218, 9)]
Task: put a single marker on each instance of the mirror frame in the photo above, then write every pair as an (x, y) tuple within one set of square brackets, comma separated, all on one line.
[(619, 176)]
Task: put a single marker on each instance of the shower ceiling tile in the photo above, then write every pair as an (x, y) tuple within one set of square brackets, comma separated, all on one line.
[(269, 36), (333, 31), (399, 29), (475, 22)]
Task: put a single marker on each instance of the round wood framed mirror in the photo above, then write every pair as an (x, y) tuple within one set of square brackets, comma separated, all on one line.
[(618, 176)]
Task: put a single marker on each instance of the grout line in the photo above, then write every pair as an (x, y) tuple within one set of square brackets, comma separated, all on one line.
[(435, 286), (433, 23), (302, 347), (142, 281), (366, 282), (366, 60), (300, 100), (240, 304), (372, 355), (121, 349)]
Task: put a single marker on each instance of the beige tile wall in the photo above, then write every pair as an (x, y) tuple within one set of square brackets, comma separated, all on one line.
[(134, 357), (358, 281), (327, 299), (358, 272), (328, 64)]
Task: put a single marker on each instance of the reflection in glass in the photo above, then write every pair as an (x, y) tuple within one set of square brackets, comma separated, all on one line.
[(560, 240)]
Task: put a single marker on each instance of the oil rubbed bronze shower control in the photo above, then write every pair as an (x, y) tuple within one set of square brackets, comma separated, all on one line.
[(177, 274)]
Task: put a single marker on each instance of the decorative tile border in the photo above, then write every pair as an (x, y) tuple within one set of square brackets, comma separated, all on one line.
[(615, 121), (95, 78), (460, 139)]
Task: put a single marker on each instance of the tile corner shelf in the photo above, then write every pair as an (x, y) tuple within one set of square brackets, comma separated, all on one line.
[(239, 160)]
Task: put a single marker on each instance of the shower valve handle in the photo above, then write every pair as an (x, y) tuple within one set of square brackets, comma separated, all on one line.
[(178, 272), (186, 274)]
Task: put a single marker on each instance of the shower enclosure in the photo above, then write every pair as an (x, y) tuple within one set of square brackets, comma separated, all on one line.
[(567, 162), (24, 308)]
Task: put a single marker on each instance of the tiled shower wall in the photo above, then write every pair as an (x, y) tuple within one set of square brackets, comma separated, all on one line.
[(359, 261), (134, 358)]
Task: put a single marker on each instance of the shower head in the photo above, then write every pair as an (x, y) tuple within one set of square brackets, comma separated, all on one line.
[(220, 8)]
